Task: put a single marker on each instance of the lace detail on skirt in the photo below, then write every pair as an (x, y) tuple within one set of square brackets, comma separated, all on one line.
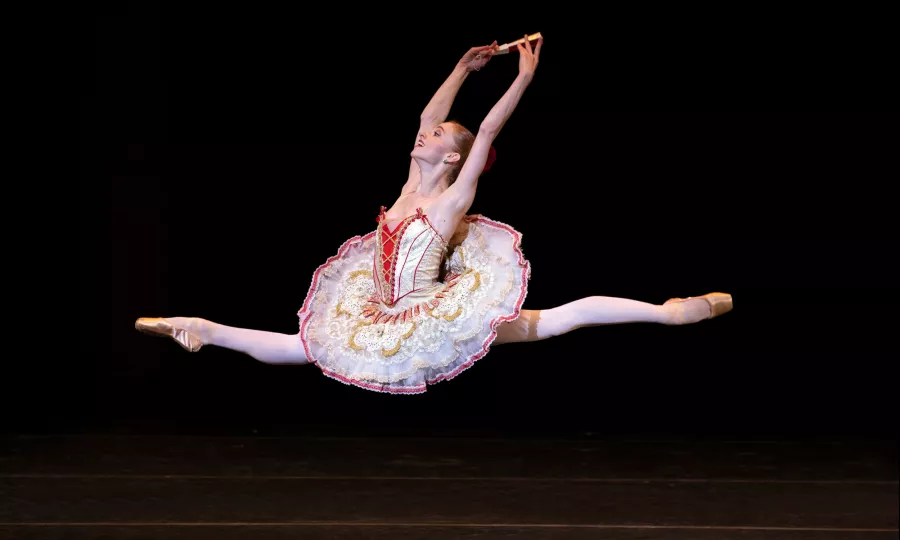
[(428, 336)]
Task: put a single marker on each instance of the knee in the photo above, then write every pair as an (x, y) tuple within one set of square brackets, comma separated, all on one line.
[(547, 323), (290, 350)]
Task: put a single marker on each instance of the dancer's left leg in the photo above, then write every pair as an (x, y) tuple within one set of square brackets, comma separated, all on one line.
[(534, 325)]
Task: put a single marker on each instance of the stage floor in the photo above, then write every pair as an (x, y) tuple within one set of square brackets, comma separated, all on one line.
[(266, 488)]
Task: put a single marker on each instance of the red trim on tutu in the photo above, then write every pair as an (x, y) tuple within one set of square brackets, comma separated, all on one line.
[(393, 388)]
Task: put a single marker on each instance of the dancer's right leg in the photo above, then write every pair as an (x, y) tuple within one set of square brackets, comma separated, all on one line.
[(268, 347)]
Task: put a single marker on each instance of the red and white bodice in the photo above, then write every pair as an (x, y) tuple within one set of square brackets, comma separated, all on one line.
[(407, 258), (399, 309)]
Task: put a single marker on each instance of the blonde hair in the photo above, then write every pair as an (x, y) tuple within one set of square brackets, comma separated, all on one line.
[(463, 140)]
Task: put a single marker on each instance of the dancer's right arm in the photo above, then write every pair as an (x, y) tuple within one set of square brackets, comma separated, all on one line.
[(439, 107), (461, 194)]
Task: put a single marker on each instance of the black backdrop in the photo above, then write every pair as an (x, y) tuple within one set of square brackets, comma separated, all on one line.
[(227, 153)]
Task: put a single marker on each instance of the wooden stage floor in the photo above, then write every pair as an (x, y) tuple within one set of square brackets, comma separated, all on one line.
[(267, 488)]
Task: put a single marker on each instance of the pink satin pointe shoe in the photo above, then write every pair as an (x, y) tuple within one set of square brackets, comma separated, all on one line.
[(719, 304), (161, 327)]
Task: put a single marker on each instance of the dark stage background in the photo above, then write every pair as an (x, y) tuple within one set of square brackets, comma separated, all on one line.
[(227, 153)]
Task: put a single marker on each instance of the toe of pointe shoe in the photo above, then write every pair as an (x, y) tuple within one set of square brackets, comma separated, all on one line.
[(719, 303), (160, 327)]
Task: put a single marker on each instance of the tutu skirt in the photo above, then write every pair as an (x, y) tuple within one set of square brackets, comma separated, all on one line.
[(430, 335)]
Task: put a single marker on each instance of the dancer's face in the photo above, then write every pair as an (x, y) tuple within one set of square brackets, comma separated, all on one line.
[(434, 145)]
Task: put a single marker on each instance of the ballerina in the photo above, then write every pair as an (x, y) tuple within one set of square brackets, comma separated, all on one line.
[(424, 296)]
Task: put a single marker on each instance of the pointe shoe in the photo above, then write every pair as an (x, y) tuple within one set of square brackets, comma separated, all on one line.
[(719, 304), (161, 327)]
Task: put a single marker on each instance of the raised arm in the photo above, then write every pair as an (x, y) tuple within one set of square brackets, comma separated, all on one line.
[(439, 107), (461, 194)]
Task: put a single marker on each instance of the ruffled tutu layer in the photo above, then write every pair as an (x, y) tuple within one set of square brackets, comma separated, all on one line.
[(428, 336)]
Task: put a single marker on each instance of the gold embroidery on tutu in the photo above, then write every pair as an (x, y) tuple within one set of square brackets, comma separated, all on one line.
[(370, 344), (350, 341), (396, 348), (455, 315)]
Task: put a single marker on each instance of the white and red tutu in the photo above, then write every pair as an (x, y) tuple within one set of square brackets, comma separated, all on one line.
[(395, 311)]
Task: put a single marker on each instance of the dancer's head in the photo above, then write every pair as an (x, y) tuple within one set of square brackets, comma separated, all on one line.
[(448, 141)]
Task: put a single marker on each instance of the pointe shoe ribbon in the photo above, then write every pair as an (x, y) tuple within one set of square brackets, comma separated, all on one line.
[(719, 303), (161, 327)]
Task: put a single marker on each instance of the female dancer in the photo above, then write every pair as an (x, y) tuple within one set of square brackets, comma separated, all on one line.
[(421, 298)]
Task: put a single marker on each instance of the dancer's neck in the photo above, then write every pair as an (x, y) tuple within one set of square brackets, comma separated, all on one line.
[(434, 180)]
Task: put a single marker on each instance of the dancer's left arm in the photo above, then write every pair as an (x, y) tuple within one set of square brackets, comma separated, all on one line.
[(462, 193)]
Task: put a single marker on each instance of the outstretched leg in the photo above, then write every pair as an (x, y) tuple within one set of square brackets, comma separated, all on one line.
[(533, 325), (192, 333)]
